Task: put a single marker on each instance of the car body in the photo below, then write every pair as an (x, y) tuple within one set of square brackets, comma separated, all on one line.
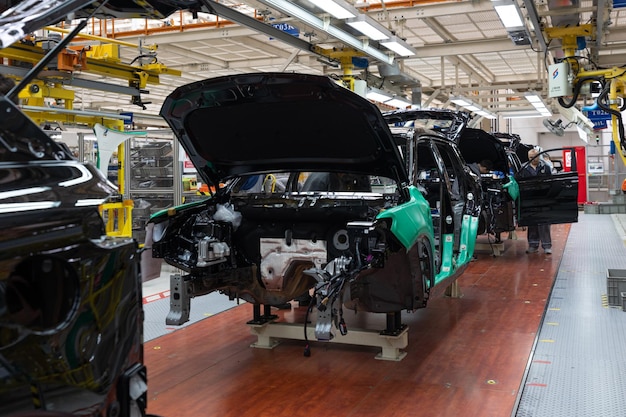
[(71, 318), (70, 297), (508, 200), (367, 243)]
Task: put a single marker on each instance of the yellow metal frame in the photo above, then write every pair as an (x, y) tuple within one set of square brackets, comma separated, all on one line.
[(119, 218)]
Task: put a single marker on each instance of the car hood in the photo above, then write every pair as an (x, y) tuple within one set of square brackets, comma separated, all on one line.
[(252, 123)]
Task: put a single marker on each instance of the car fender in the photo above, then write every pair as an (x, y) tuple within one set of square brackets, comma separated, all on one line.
[(411, 220)]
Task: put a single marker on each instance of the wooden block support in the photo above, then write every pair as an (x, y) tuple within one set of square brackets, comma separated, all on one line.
[(495, 248), (391, 346)]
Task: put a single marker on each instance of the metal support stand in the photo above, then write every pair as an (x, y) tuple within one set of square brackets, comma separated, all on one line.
[(391, 345), (453, 290), (495, 248), (180, 301), (260, 319)]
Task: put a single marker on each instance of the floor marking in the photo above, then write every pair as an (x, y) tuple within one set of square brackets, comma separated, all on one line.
[(536, 384), (547, 340), (552, 323), (155, 297), (544, 362), (554, 309)]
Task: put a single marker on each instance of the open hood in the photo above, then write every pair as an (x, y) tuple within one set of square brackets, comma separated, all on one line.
[(252, 123)]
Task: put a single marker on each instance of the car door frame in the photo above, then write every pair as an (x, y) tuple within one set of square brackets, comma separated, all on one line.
[(549, 199)]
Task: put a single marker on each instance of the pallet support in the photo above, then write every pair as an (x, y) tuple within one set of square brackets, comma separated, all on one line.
[(269, 333)]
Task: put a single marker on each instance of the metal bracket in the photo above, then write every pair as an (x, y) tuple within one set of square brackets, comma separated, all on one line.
[(180, 301), (268, 336)]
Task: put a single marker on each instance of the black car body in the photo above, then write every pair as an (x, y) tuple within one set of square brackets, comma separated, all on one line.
[(368, 243), (70, 297), (508, 200), (71, 319)]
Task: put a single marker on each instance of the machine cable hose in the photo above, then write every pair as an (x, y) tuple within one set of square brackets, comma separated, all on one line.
[(577, 88), (326, 292), (600, 100)]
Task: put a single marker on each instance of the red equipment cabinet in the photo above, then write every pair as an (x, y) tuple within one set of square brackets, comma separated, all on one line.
[(580, 166)]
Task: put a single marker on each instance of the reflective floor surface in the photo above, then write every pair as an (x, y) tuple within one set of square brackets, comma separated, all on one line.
[(466, 356)]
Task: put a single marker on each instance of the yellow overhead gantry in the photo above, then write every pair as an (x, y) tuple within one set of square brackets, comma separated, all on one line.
[(100, 59)]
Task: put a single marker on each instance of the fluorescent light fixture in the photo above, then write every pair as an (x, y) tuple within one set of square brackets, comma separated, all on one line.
[(291, 9), (486, 114), (398, 102), (369, 27), (509, 13), (538, 104), (375, 94), (381, 96), (461, 101), (398, 46), (519, 114), (473, 107), (339, 11)]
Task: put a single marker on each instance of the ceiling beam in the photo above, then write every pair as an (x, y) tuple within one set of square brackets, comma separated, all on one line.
[(464, 48), (431, 10)]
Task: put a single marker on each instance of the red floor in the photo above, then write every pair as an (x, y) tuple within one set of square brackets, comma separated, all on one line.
[(466, 356)]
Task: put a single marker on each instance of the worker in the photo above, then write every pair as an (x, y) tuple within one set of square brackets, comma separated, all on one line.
[(483, 167), (624, 186), (539, 234)]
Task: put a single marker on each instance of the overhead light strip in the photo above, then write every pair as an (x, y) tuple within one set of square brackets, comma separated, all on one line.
[(369, 27), (301, 14), (398, 46), (339, 11), (509, 13), (538, 104), (473, 107)]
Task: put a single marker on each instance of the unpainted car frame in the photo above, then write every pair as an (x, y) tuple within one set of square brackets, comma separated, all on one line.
[(508, 200), (370, 250)]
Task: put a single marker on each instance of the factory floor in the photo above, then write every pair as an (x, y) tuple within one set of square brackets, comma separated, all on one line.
[(526, 335)]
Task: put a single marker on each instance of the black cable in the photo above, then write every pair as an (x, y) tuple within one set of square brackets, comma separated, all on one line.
[(307, 347), (618, 115), (577, 88)]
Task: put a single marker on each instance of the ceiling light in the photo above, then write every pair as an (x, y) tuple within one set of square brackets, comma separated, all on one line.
[(519, 114), (509, 13), (471, 106), (299, 13), (537, 102), (398, 46), (398, 103), (375, 94), (369, 27), (460, 101), (339, 11)]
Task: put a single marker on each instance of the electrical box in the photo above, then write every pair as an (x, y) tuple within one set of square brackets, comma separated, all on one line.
[(558, 80)]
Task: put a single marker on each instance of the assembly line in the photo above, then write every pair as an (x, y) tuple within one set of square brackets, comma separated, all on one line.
[(305, 233)]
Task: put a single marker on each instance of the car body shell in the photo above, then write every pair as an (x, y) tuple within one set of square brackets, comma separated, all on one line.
[(70, 297), (379, 241)]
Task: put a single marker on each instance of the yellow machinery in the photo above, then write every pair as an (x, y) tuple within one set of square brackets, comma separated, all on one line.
[(100, 59), (612, 80)]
